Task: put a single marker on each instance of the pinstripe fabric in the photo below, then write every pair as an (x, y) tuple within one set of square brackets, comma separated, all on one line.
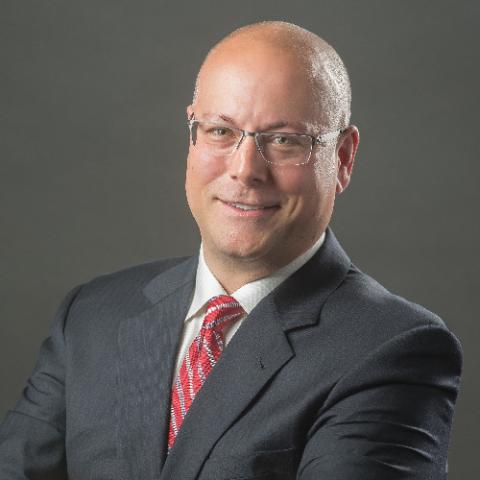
[(200, 358)]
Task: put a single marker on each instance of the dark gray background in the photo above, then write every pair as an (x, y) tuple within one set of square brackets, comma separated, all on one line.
[(93, 145)]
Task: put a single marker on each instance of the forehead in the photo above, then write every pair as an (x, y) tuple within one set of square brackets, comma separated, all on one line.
[(259, 83)]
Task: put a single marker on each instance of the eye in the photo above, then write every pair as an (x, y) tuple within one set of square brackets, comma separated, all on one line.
[(280, 139), (283, 140), (219, 131)]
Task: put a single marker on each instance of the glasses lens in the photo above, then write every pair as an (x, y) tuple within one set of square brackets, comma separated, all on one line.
[(217, 138), (286, 148)]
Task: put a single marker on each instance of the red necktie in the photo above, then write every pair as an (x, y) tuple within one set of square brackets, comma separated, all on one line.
[(201, 357)]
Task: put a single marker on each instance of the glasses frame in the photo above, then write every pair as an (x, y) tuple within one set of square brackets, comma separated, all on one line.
[(321, 139)]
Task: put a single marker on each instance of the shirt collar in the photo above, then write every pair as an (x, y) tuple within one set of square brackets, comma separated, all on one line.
[(206, 286), (250, 294)]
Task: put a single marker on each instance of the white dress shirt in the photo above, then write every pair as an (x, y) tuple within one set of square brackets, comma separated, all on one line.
[(249, 295)]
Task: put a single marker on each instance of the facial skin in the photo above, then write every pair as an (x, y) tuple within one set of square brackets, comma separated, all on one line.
[(264, 90)]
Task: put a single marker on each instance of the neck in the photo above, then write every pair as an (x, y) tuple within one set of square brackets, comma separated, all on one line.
[(235, 272)]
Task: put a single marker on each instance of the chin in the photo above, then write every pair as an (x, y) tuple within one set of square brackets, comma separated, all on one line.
[(238, 249), (243, 252)]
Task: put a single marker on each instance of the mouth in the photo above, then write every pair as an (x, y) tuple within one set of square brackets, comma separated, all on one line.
[(249, 209)]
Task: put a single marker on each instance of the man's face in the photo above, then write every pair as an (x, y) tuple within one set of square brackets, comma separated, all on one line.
[(259, 90)]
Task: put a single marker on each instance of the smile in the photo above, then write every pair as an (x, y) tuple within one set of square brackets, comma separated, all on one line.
[(245, 209), (243, 206)]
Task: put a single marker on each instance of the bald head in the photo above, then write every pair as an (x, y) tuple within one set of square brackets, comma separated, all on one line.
[(320, 64)]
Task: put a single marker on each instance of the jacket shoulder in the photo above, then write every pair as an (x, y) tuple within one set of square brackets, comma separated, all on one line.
[(362, 315), (118, 294), (367, 299), (138, 275)]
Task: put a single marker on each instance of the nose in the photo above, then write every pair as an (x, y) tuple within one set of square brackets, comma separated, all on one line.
[(246, 163)]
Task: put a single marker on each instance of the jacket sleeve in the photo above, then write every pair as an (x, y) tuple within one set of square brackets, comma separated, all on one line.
[(389, 417), (32, 436)]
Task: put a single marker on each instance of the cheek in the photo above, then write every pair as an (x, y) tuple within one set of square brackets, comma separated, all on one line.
[(310, 190), (296, 181), (202, 170)]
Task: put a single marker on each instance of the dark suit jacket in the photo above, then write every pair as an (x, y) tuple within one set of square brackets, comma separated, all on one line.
[(330, 377)]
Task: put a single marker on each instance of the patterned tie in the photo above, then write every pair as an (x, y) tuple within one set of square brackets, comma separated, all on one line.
[(201, 357)]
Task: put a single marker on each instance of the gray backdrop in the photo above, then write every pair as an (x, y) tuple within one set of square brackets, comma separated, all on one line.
[(93, 145)]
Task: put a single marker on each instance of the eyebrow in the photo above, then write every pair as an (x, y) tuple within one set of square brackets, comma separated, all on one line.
[(300, 127)]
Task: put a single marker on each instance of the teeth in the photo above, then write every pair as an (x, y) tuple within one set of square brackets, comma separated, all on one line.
[(246, 207)]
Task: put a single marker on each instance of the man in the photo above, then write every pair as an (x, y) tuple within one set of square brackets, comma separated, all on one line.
[(268, 355)]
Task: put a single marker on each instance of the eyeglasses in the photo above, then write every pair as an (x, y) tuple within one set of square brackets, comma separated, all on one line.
[(277, 148)]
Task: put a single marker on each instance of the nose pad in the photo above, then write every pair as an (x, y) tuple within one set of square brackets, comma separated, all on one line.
[(257, 145), (237, 146), (249, 134), (244, 166), (259, 148)]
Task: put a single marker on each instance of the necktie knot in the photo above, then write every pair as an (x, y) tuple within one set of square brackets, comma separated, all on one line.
[(221, 310)]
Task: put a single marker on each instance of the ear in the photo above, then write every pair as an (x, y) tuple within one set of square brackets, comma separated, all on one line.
[(189, 112), (345, 152)]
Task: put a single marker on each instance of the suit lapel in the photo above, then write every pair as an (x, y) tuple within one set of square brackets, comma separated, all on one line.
[(255, 353), (147, 344), (300, 298), (258, 350)]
